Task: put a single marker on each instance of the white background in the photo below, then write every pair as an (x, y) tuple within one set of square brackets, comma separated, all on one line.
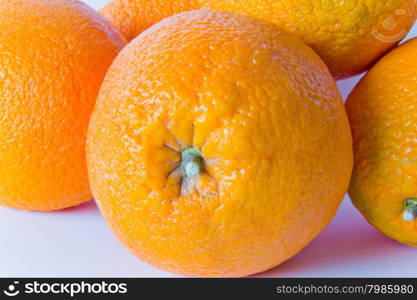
[(77, 243)]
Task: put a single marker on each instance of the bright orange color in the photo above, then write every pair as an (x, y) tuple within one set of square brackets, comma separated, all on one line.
[(53, 57), (132, 17), (219, 145), (349, 35), (383, 114)]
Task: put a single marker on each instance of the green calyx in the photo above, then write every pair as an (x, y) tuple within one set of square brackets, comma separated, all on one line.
[(191, 162), (410, 209)]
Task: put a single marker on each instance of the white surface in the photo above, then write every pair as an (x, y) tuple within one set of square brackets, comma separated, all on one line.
[(77, 243)]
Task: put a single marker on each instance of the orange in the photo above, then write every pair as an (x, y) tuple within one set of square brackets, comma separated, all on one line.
[(132, 17), (219, 145), (53, 57), (383, 113), (349, 35)]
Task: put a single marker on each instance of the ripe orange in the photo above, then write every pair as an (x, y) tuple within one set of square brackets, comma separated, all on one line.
[(132, 17), (383, 114), (349, 35), (219, 145), (53, 57)]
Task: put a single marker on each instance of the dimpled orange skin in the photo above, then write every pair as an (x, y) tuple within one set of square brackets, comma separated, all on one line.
[(383, 113), (349, 35), (265, 114), (53, 57), (131, 17)]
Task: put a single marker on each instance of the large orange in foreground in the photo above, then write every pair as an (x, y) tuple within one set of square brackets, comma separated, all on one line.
[(383, 112), (132, 17), (349, 35), (219, 145), (53, 57)]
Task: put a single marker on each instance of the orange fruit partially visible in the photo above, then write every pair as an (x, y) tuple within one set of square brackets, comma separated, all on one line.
[(349, 35), (219, 145), (383, 113), (131, 17), (53, 57)]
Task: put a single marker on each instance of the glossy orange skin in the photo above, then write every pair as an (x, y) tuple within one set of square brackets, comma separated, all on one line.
[(383, 113), (349, 35), (265, 114), (131, 17), (53, 57)]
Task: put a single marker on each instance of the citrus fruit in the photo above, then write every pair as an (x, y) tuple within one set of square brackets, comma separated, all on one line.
[(383, 113), (349, 35), (219, 145), (53, 57), (132, 17)]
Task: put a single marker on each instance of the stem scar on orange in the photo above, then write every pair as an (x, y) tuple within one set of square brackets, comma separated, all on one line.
[(219, 145), (53, 57)]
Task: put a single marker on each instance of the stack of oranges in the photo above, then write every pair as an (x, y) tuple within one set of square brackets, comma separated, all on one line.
[(211, 132)]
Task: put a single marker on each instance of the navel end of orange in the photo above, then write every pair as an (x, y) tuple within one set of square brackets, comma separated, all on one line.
[(410, 210), (192, 162)]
